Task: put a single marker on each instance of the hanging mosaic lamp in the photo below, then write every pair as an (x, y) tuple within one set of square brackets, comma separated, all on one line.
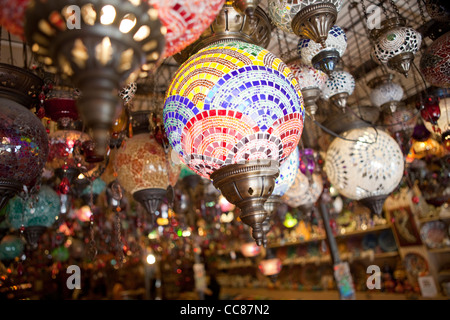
[(339, 86), (324, 58), (312, 82), (441, 128), (145, 171), (311, 19), (60, 105), (232, 23), (435, 62), (431, 111), (288, 172), (270, 266), (98, 45), (34, 215), (395, 44), (385, 93), (305, 191), (23, 149), (11, 247), (234, 113), (366, 167)]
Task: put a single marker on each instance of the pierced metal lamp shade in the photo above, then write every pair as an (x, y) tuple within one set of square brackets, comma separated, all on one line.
[(303, 191), (385, 93), (396, 45), (339, 86), (367, 168), (435, 62), (324, 58)]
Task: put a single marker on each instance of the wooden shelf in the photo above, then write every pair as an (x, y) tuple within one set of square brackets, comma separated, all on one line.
[(295, 243), (361, 232), (439, 250), (444, 273), (437, 218)]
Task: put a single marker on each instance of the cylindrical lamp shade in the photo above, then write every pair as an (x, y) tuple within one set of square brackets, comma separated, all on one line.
[(288, 172), (230, 103), (303, 192), (369, 165)]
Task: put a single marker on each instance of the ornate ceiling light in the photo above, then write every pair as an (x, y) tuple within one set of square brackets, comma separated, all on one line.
[(435, 62), (339, 86), (395, 44), (109, 41), (312, 19), (234, 113), (367, 166), (324, 58), (385, 93), (312, 82), (232, 24)]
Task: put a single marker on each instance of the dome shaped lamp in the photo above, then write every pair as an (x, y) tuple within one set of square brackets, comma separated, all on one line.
[(111, 40), (142, 166), (339, 86), (234, 113), (396, 44), (385, 93), (434, 63), (310, 19), (366, 167), (324, 58), (312, 82)]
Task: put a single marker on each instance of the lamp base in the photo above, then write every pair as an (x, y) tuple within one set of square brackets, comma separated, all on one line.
[(401, 62), (150, 199), (248, 186), (310, 97), (326, 60), (375, 204), (340, 100), (32, 234), (315, 21), (8, 189)]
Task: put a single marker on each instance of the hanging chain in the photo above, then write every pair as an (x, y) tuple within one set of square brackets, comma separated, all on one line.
[(422, 14), (119, 245), (394, 6), (92, 252)]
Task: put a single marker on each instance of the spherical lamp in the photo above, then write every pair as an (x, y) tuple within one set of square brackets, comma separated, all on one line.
[(35, 216), (339, 86), (234, 113), (385, 93), (435, 62), (312, 82), (305, 191), (11, 247), (324, 58), (395, 44), (23, 149), (311, 19), (367, 166)]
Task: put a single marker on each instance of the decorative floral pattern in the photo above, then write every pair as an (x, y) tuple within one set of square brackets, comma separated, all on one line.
[(307, 76), (283, 11), (307, 49), (303, 192), (369, 165), (435, 62), (233, 102), (338, 82), (288, 172), (141, 164)]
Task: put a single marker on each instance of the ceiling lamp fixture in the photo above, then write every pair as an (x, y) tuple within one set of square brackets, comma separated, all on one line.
[(395, 44), (312, 82), (98, 51), (311, 19), (234, 113), (305, 191), (367, 166), (385, 93), (339, 86), (435, 62), (232, 23), (324, 58)]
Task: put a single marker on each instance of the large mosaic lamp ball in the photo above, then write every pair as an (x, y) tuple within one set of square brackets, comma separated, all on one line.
[(395, 45), (34, 215), (435, 62), (312, 82), (367, 166), (312, 19), (23, 149), (144, 170), (339, 86), (234, 113), (324, 58)]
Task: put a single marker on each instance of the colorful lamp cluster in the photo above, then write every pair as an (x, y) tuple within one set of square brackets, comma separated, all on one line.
[(233, 102)]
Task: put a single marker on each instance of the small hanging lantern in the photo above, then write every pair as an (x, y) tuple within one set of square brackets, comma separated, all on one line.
[(385, 93), (339, 86)]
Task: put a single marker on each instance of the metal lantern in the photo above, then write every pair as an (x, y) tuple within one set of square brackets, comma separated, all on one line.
[(234, 113), (435, 62), (312, 82), (385, 93), (97, 50), (367, 166), (324, 58), (396, 44), (339, 86), (312, 19)]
